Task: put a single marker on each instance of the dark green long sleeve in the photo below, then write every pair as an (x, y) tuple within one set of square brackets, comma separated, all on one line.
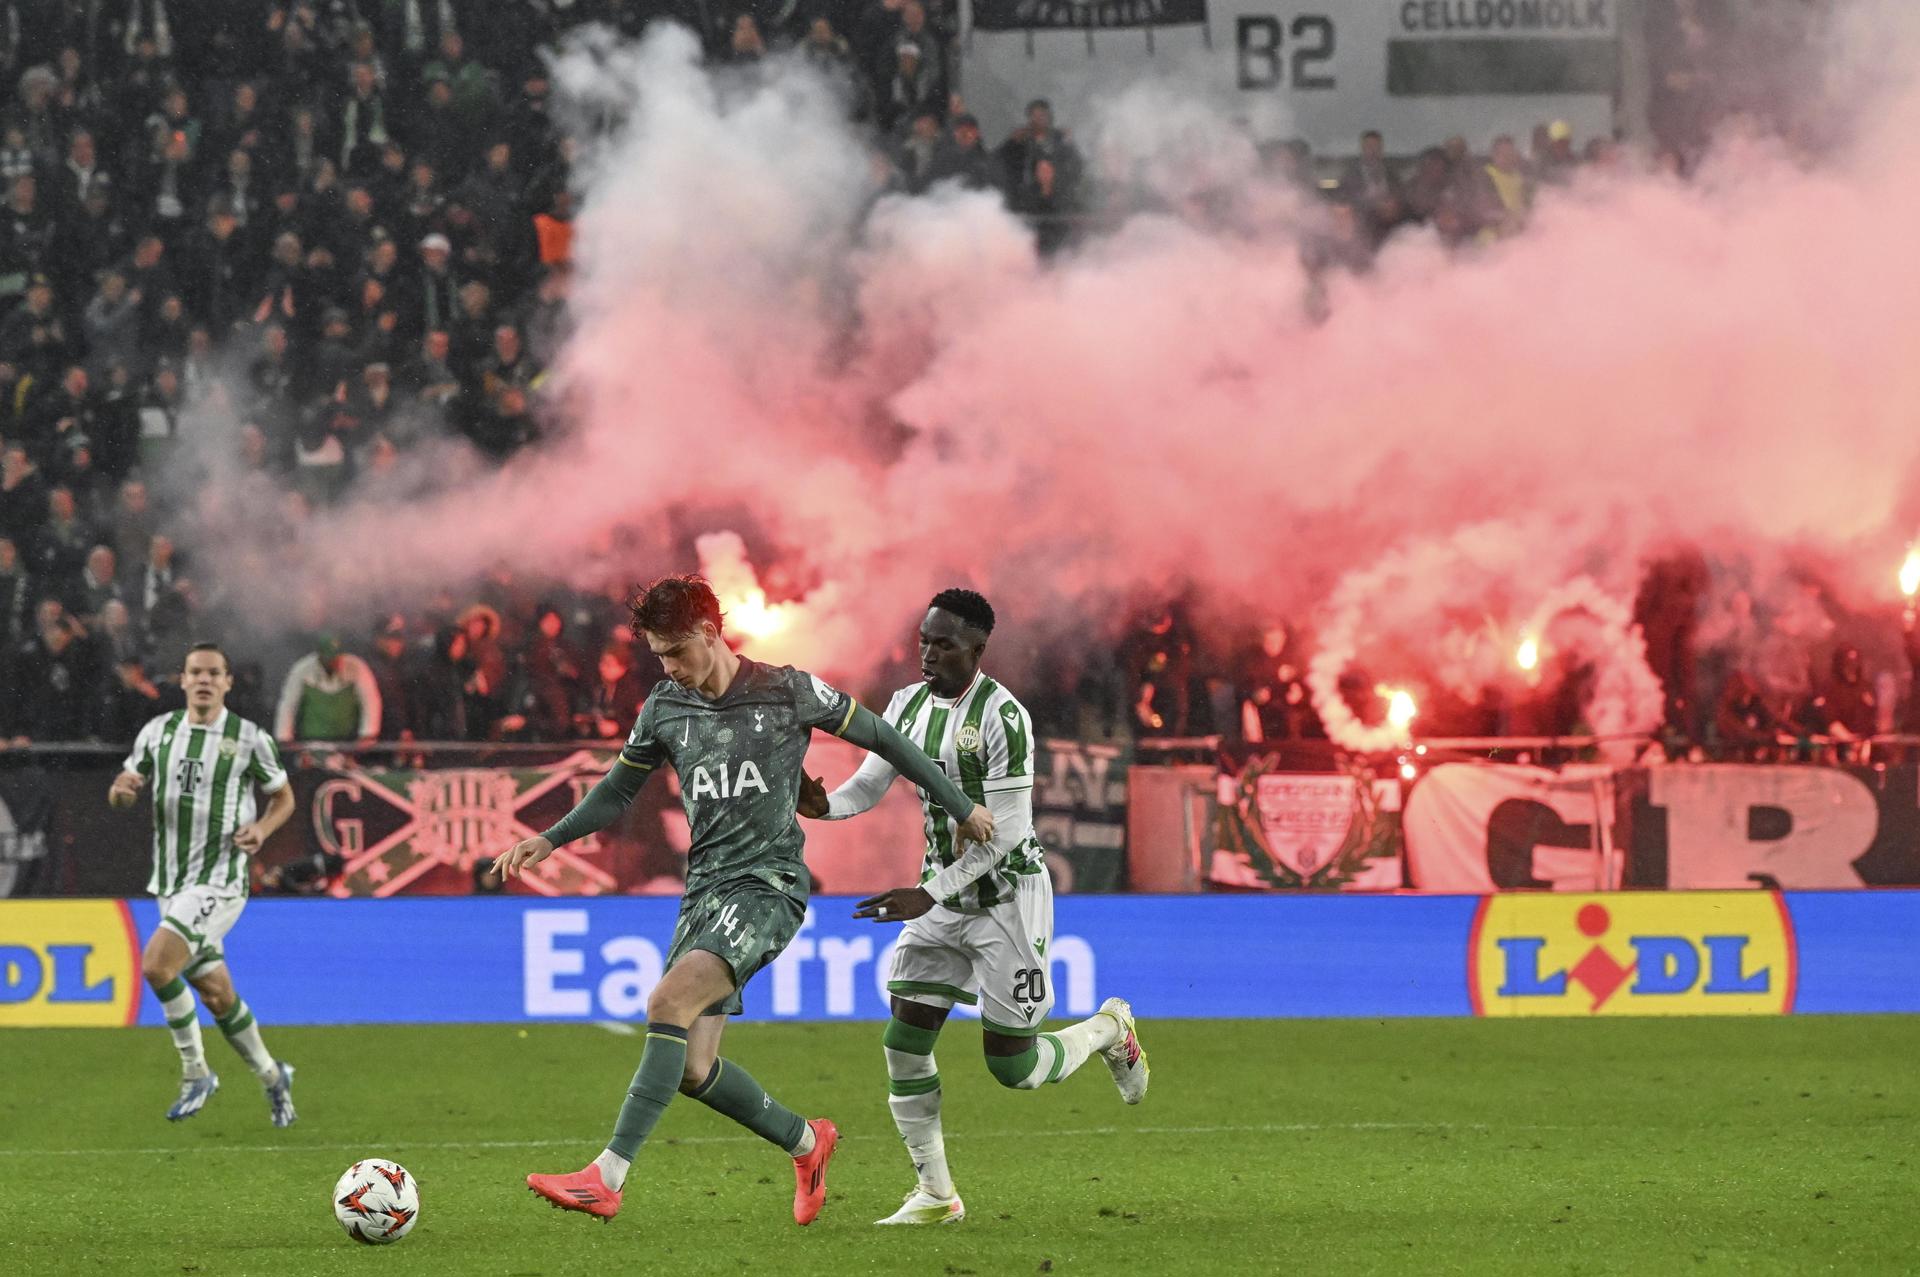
[(602, 805), (869, 731)]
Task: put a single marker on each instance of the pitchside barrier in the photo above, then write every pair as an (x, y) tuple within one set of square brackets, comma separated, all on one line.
[(518, 959), (421, 820)]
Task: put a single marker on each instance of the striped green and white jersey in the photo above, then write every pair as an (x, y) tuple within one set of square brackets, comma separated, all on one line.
[(984, 740), (202, 780)]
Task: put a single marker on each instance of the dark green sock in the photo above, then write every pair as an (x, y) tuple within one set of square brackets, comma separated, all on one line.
[(731, 1090), (656, 1082)]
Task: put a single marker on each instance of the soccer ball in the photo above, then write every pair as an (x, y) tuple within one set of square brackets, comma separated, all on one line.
[(376, 1201)]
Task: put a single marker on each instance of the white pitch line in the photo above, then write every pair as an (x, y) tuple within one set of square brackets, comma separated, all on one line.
[(619, 1028), (1274, 1128)]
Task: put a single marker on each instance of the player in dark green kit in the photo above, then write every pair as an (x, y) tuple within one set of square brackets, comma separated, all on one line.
[(736, 732)]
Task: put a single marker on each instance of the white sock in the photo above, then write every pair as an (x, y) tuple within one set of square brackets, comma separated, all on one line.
[(183, 1022), (807, 1141), (1063, 1052), (244, 1033), (613, 1168), (918, 1118)]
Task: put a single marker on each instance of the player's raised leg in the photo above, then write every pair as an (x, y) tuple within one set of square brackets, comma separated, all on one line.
[(728, 1089), (745, 926), (161, 963), (1016, 992), (209, 974), (913, 1095)]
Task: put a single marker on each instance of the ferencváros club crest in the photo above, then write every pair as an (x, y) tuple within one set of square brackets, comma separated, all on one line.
[(1085, 15), (1322, 830), (1306, 818)]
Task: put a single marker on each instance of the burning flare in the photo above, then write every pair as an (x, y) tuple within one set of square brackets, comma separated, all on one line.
[(1910, 573), (723, 559), (1528, 657), (1401, 708)]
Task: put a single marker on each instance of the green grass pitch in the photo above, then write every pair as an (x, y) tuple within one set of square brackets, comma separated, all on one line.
[(1579, 1147)]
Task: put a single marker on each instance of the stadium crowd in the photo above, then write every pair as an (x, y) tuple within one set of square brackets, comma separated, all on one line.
[(369, 200)]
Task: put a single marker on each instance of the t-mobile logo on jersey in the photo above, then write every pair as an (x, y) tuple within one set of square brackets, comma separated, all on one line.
[(728, 784)]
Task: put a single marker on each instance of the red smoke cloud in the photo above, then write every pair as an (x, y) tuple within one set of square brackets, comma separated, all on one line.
[(1726, 362)]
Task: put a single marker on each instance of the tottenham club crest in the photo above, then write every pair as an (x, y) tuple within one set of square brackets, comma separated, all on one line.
[(967, 739)]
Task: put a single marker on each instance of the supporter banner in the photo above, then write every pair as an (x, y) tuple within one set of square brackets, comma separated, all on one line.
[(1332, 830), (26, 814), (506, 959), (1080, 814), (1793, 827), (1325, 70), (1041, 15), (382, 830), (1487, 827)]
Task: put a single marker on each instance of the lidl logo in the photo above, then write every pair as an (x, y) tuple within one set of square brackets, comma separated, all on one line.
[(66, 963), (1654, 953)]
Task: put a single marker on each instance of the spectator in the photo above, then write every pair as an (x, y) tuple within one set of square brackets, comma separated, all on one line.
[(98, 584), (1745, 727), (132, 521), (439, 693), (612, 702), (963, 159), (1554, 160), (127, 698), (62, 416), (1371, 187), (1507, 194), (364, 121), (328, 695), (486, 685), (157, 575), (1845, 707), (23, 497), (1049, 204), (551, 677), (438, 290), (1033, 142), (554, 230), (114, 635), (429, 378), (912, 89), (26, 232), (394, 675), (16, 598), (61, 548), (914, 154), (34, 337), (46, 698), (111, 324)]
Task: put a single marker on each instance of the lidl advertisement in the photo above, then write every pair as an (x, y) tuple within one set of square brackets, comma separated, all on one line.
[(494, 959)]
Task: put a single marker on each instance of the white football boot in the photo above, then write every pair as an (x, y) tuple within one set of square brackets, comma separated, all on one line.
[(1125, 1060), (922, 1207)]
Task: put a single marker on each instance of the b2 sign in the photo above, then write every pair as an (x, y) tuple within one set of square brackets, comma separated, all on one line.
[(1325, 70)]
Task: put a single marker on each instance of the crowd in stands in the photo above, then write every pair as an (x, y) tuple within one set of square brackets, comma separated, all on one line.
[(369, 201)]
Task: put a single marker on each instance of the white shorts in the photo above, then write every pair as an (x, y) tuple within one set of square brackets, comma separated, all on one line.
[(997, 959), (202, 916)]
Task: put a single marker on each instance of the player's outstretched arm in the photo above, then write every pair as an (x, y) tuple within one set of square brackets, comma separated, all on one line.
[(861, 791), (869, 731), (600, 808)]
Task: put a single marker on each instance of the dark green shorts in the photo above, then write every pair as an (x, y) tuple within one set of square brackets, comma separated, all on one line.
[(746, 924)]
